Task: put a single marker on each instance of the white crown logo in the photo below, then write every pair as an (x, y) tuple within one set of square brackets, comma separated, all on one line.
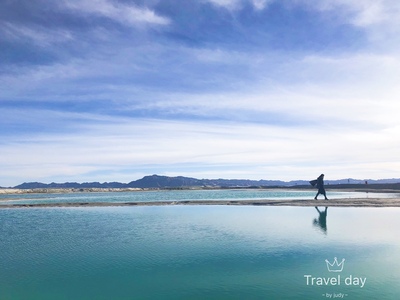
[(335, 266)]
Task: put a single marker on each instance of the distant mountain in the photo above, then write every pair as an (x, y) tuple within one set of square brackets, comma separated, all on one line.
[(156, 181)]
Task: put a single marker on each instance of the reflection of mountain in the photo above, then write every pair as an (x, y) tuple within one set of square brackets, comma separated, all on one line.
[(156, 181), (321, 221)]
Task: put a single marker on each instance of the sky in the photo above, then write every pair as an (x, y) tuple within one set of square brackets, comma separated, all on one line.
[(113, 90)]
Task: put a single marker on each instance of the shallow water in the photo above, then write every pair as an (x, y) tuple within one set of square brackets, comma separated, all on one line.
[(180, 195), (197, 252)]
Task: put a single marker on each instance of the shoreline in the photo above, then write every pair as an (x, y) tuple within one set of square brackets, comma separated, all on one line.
[(14, 191), (346, 202)]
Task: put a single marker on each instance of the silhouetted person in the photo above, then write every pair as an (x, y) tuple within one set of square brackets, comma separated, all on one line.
[(321, 222), (320, 186)]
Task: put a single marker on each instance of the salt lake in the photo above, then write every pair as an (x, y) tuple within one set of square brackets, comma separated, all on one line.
[(199, 252)]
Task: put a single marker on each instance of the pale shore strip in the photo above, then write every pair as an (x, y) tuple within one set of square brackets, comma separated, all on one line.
[(12, 191), (360, 202)]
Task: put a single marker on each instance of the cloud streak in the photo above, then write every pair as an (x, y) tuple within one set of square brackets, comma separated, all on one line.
[(41, 36), (117, 12), (250, 150), (237, 4)]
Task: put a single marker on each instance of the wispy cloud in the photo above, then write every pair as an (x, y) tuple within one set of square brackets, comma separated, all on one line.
[(230, 4), (237, 4), (39, 35), (363, 13), (117, 11), (256, 150)]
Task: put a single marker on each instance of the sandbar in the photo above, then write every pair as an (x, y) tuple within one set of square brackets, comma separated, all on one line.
[(347, 202)]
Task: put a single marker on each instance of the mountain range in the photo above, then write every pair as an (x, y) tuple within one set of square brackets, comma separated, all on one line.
[(157, 181)]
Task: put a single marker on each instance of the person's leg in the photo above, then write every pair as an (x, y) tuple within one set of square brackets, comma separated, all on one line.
[(316, 196)]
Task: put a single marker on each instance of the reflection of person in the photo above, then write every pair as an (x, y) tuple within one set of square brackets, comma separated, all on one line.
[(320, 186), (321, 222)]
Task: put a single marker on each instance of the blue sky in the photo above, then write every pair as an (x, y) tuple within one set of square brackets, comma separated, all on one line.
[(107, 90)]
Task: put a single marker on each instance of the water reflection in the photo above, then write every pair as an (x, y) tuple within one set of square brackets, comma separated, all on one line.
[(321, 221)]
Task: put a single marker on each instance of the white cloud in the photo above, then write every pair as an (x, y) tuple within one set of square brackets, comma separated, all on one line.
[(260, 4), (229, 4), (364, 13), (251, 150), (41, 36), (237, 4), (354, 90), (118, 12), (358, 90), (378, 18)]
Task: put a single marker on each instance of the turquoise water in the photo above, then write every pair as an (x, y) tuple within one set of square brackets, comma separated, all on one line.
[(179, 195), (197, 252)]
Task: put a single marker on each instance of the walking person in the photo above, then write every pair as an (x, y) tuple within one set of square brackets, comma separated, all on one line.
[(320, 186)]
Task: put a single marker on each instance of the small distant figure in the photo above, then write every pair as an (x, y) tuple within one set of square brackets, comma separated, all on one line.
[(320, 186)]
